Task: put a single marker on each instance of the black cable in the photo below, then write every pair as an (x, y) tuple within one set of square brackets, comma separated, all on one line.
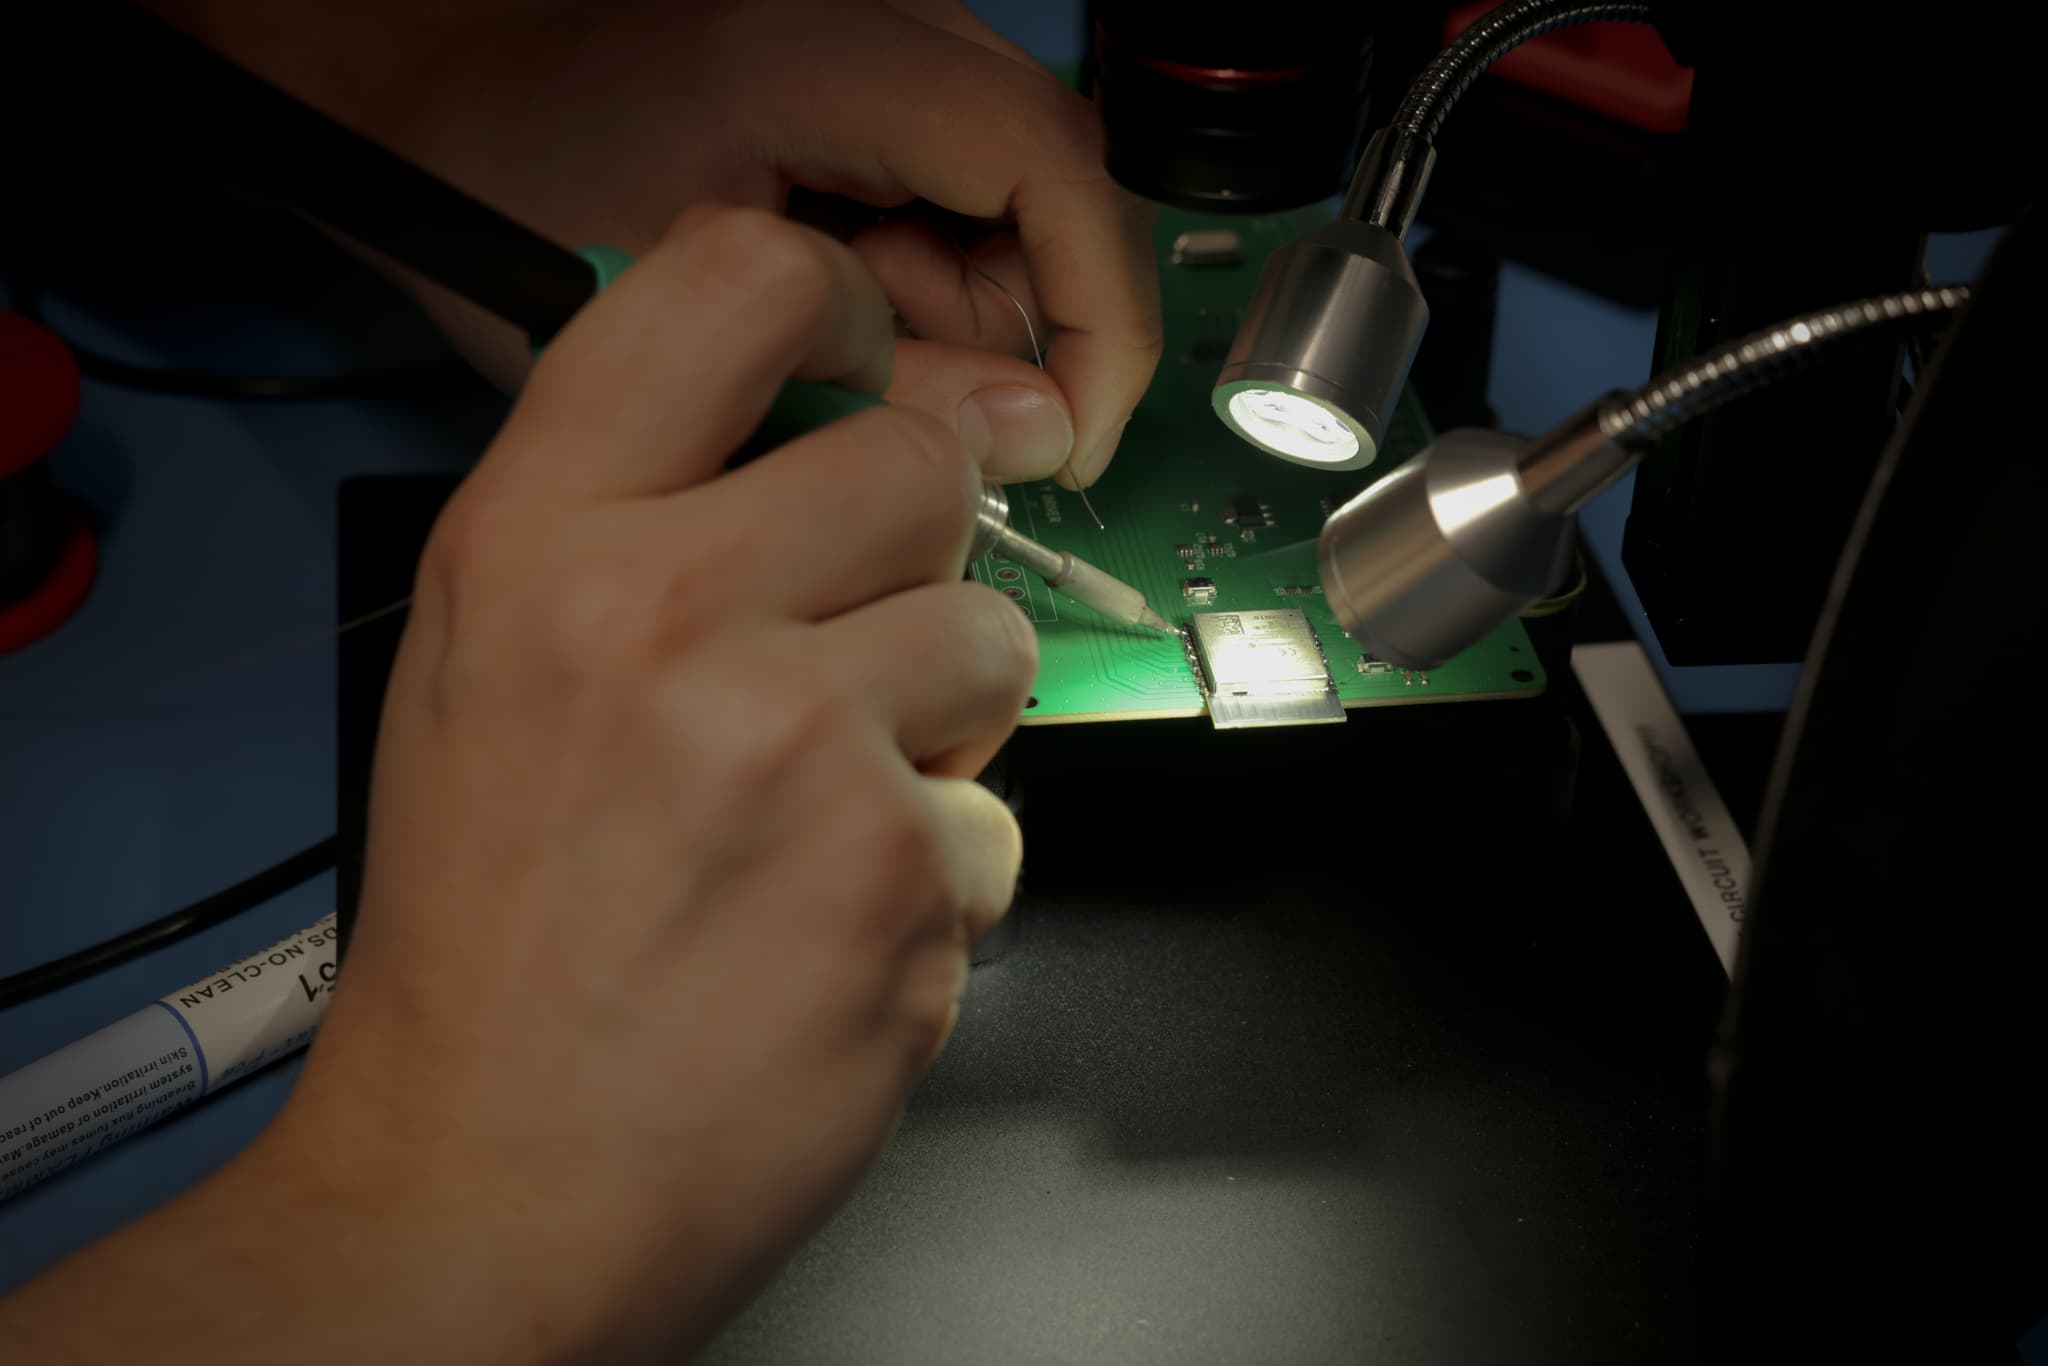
[(1386, 189), (1916, 348), (180, 924), (155, 88), (121, 75), (262, 655), (408, 381), (1491, 37), (399, 381)]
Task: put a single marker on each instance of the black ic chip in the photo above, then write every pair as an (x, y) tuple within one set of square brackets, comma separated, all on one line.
[(1245, 510)]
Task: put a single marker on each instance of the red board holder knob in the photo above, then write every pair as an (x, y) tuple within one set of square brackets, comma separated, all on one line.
[(48, 552)]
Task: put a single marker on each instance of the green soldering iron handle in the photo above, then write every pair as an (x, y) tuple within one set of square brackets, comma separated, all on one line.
[(802, 406), (608, 262)]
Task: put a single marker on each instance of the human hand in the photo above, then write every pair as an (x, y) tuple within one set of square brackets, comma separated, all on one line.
[(596, 121), (675, 853)]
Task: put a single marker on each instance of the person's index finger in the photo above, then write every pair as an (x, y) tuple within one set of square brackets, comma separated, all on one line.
[(962, 22), (656, 382), (1087, 246), (1100, 291), (987, 137)]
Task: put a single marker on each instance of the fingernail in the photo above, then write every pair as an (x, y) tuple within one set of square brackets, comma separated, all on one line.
[(1028, 433)]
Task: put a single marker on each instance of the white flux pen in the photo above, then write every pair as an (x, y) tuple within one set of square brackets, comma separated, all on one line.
[(177, 1050)]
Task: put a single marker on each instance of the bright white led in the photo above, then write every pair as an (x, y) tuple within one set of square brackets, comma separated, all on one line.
[(1294, 425)]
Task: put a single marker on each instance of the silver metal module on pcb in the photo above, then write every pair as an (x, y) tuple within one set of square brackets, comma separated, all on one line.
[(1262, 668)]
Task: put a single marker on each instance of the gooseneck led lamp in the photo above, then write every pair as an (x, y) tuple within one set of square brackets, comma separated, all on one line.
[(1479, 526), (1326, 343)]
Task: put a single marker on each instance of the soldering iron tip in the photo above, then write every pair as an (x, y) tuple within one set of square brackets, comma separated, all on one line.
[(1156, 622)]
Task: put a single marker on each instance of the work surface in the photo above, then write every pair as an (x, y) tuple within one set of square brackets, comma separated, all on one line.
[(1309, 1088)]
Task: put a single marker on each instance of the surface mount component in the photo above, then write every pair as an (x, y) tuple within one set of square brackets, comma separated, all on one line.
[(1263, 668), (1211, 336), (1247, 510), (1208, 247), (1198, 589)]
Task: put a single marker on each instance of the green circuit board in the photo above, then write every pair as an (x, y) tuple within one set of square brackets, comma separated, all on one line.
[(1200, 522)]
